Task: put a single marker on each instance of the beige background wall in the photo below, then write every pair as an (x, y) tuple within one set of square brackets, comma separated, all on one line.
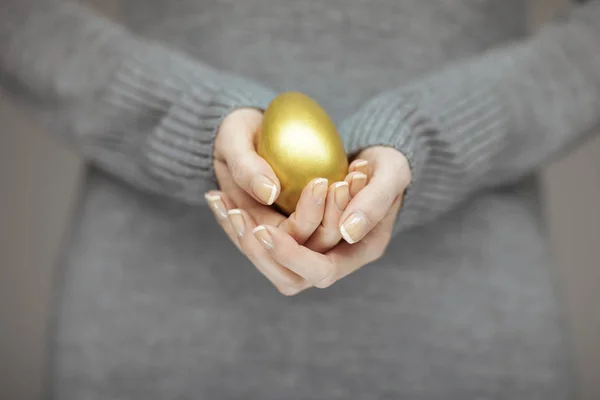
[(572, 187), (39, 181)]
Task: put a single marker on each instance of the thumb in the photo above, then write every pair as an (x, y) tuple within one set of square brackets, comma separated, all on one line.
[(373, 203), (234, 145)]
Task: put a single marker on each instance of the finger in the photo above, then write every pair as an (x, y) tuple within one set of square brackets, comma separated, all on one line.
[(286, 281), (359, 165), (371, 204), (251, 172), (323, 270), (357, 181), (353, 256), (220, 206), (312, 266), (309, 212), (259, 212), (328, 234)]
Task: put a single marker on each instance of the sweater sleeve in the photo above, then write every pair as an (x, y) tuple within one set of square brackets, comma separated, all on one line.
[(145, 113), (488, 120)]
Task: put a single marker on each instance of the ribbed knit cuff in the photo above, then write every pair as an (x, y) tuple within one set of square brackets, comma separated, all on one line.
[(391, 121), (169, 109), (449, 126)]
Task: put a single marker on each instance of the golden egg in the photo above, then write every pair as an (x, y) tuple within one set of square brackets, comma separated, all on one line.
[(300, 142)]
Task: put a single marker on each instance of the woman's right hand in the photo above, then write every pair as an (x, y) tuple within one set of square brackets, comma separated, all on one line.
[(236, 161), (250, 183)]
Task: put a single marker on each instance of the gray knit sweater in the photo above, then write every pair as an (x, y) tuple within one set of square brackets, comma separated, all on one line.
[(154, 301)]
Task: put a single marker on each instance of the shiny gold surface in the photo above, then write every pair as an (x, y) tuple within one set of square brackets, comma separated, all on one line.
[(300, 142)]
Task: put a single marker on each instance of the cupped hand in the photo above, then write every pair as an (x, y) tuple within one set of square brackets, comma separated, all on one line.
[(366, 224), (380, 198), (250, 183)]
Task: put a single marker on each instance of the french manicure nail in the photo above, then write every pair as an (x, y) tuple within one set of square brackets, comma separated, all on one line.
[(358, 182), (319, 190), (354, 227), (216, 205), (342, 194), (263, 236), (362, 166), (264, 189), (237, 221)]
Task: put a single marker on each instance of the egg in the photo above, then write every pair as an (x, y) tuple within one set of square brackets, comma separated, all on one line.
[(300, 142)]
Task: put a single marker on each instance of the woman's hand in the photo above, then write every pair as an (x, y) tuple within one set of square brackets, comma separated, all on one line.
[(366, 225), (382, 196), (367, 221), (249, 182)]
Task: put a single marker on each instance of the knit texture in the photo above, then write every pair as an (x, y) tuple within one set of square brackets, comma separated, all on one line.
[(153, 302), (177, 108), (465, 127), (149, 115)]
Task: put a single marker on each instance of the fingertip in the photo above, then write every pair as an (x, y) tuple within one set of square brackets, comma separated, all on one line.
[(319, 190), (262, 234), (275, 236), (346, 236), (211, 196), (359, 176), (361, 165), (321, 181), (308, 215), (341, 195), (264, 189), (357, 182), (217, 204), (273, 195), (237, 220), (265, 169), (252, 173), (355, 227)]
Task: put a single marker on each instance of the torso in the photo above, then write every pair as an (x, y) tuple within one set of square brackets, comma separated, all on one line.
[(338, 51), (157, 304)]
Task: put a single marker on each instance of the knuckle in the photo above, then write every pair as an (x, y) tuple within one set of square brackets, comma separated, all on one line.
[(374, 250), (311, 221), (328, 279), (288, 290), (374, 257), (300, 227), (283, 255), (235, 167), (291, 281), (323, 240), (290, 226)]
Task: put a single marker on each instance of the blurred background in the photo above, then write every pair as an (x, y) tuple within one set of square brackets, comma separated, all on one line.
[(39, 181)]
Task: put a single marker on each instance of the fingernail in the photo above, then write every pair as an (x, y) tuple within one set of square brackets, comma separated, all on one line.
[(263, 236), (216, 205), (319, 190), (362, 166), (237, 221), (354, 227), (358, 182), (264, 189), (342, 194)]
